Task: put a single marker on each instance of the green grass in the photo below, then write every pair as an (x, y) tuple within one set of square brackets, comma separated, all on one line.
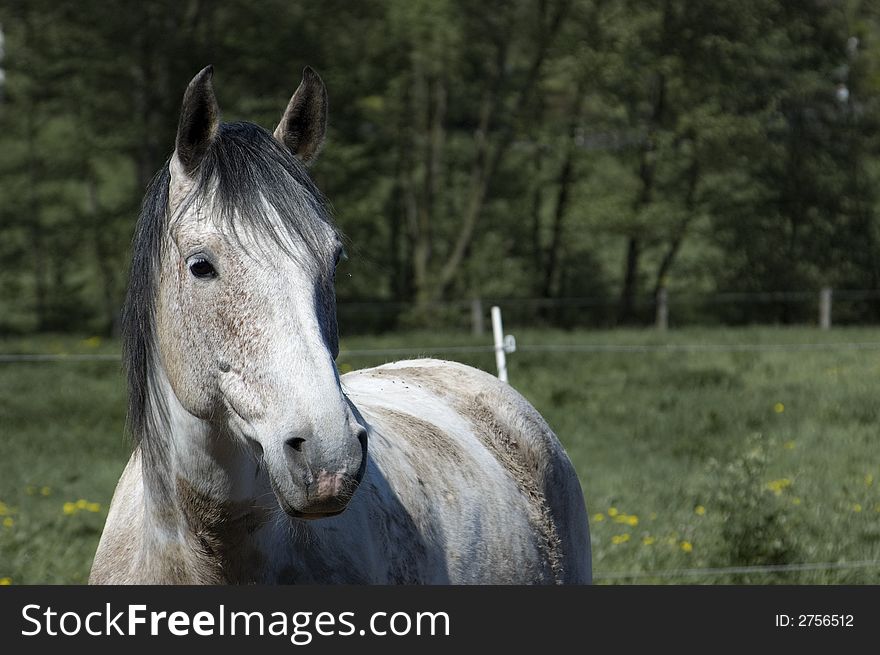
[(779, 449)]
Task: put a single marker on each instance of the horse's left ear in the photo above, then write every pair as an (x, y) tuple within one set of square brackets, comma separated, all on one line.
[(199, 121), (304, 122)]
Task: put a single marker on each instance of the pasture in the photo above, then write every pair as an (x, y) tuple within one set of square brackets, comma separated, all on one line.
[(688, 460)]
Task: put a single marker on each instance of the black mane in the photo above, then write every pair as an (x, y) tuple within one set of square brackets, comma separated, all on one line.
[(243, 168)]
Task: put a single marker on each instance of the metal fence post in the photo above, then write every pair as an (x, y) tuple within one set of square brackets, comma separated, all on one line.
[(498, 335)]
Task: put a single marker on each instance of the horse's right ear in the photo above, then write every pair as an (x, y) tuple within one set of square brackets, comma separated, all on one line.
[(199, 120), (304, 122)]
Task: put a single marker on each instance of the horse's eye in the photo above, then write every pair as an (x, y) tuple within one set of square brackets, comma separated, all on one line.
[(202, 268)]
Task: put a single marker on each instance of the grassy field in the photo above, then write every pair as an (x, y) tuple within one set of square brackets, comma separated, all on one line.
[(688, 460)]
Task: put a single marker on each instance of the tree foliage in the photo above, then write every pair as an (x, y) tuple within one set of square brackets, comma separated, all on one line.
[(523, 148)]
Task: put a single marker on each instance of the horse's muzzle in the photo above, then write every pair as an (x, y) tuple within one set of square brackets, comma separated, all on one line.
[(322, 490), (328, 495)]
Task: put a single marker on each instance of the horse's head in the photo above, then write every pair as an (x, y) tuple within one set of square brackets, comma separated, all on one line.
[(245, 312)]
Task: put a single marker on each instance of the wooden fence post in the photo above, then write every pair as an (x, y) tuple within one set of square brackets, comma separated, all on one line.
[(477, 317), (825, 308), (662, 315)]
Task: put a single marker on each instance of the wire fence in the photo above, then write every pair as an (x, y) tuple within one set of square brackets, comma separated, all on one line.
[(572, 348), (736, 570), (59, 357), (663, 308), (583, 348)]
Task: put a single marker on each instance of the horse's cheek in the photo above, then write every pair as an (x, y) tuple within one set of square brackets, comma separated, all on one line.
[(184, 337)]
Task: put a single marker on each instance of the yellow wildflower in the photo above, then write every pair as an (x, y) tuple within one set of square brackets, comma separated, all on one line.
[(93, 507), (92, 342), (45, 491), (82, 503), (687, 546), (699, 510), (869, 480), (8, 522), (620, 538), (856, 507), (69, 508), (795, 501), (598, 518), (612, 512), (779, 408), (628, 519), (5, 582), (648, 540), (778, 486)]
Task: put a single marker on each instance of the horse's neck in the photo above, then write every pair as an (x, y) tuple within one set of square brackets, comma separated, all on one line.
[(205, 499)]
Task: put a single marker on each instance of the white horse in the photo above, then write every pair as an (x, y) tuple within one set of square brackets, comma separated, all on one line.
[(252, 462)]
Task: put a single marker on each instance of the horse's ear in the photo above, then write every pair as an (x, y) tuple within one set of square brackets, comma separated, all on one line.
[(304, 121), (199, 120)]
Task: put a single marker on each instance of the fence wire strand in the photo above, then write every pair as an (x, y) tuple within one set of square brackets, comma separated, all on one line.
[(537, 348), (737, 570)]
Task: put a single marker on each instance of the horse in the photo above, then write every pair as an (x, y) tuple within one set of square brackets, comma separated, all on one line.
[(253, 461)]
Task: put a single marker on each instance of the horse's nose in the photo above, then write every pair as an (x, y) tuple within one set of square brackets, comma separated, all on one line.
[(361, 435), (295, 443)]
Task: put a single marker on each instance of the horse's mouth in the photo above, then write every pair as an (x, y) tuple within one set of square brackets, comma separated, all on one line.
[(320, 512), (315, 515), (308, 516)]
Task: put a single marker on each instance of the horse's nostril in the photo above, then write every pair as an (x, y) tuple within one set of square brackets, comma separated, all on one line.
[(362, 437), (296, 443)]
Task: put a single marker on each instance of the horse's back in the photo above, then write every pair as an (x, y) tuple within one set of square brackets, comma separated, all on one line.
[(492, 441)]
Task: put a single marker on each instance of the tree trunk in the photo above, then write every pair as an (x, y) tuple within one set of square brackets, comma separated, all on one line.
[(647, 174), (626, 309), (537, 201), (486, 165), (102, 256), (566, 177), (35, 226), (672, 250)]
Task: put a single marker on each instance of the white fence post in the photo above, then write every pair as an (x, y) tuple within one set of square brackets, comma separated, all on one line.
[(825, 308), (503, 344)]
